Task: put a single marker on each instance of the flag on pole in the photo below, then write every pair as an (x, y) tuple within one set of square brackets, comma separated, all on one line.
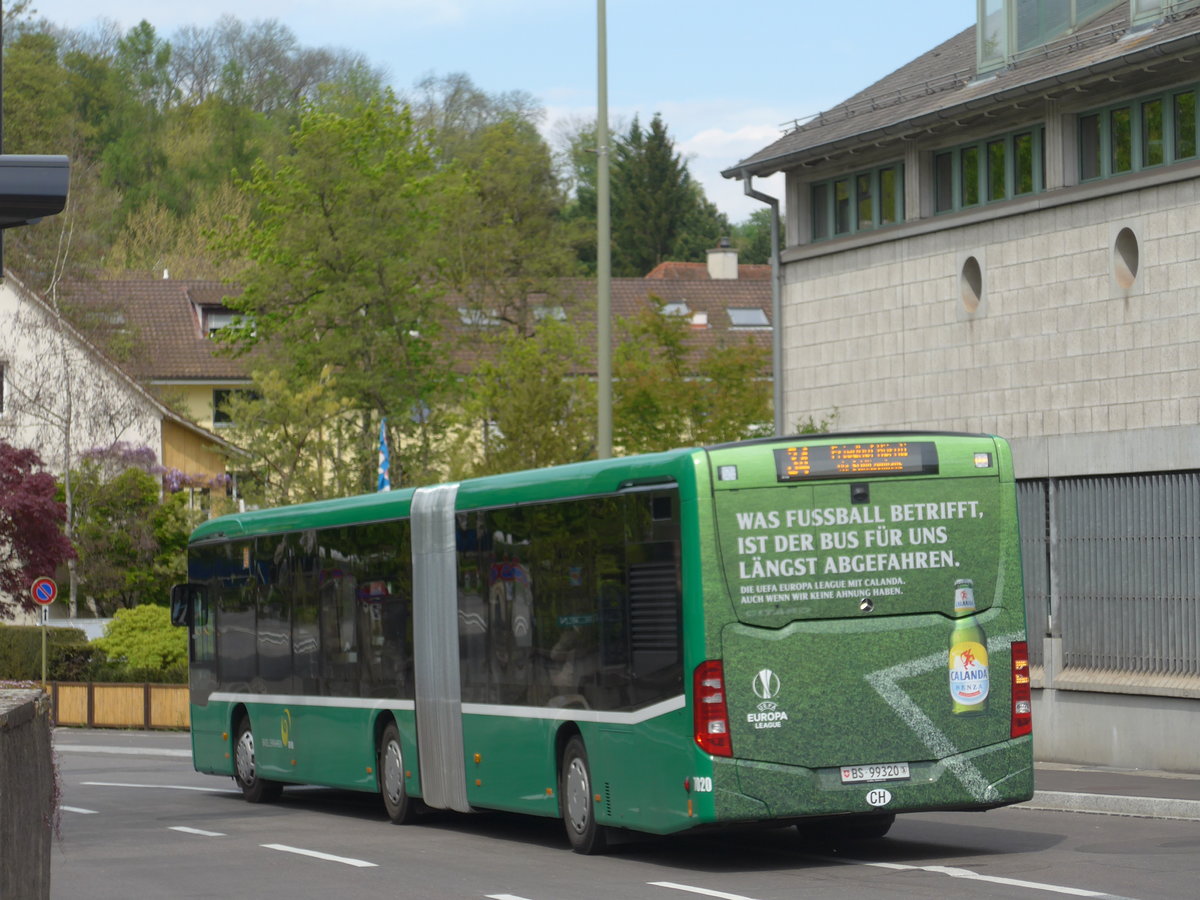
[(385, 459)]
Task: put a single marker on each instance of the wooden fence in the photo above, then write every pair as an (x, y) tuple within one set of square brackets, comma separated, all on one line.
[(99, 705)]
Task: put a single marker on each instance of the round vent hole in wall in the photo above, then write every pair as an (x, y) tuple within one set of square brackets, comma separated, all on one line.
[(970, 283), (1125, 258)]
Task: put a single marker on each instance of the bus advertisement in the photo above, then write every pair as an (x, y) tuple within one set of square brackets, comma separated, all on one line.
[(821, 631)]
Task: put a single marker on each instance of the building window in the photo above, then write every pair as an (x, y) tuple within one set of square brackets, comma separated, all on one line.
[(858, 202), (1153, 131), (1008, 28), (221, 400), (216, 318), (747, 317), (989, 170)]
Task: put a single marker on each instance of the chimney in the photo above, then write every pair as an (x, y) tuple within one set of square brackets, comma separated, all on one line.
[(723, 262)]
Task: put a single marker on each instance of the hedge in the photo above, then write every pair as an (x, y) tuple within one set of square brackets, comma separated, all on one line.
[(68, 653)]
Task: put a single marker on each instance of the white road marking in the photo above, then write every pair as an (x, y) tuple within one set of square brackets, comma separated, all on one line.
[(76, 809), (955, 872), (122, 751), (698, 890), (329, 857), (505, 897), (169, 787), (199, 831)]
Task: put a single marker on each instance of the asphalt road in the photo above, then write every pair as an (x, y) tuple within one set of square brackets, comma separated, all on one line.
[(137, 822)]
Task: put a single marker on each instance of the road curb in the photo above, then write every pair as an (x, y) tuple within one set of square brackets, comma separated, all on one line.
[(1115, 805)]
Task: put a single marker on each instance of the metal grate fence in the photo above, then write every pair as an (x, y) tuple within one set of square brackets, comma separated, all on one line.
[(1112, 566)]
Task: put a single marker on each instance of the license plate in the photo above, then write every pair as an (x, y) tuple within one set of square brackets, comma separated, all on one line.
[(880, 772)]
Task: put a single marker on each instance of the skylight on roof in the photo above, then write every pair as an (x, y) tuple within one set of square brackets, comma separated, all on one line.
[(675, 309), (752, 317)]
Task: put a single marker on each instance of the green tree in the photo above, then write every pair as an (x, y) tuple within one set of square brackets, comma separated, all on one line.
[(296, 430), (507, 240), (534, 407), (130, 544), (658, 211), (753, 237), (144, 638), (664, 396), (343, 276)]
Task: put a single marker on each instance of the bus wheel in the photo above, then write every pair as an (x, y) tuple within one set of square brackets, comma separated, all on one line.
[(401, 808), (575, 798), (245, 771)]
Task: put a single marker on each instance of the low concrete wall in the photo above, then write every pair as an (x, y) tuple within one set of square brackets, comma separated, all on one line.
[(27, 794), (1114, 719), (1123, 731)]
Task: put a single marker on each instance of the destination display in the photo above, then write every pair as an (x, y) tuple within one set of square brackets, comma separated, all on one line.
[(805, 462)]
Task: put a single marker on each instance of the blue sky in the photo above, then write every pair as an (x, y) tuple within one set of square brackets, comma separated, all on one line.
[(724, 75)]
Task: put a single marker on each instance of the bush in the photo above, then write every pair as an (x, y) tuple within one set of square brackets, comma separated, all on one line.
[(68, 653), (143, 638)]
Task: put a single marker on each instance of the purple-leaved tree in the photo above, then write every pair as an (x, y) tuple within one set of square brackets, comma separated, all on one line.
[(32, 543)]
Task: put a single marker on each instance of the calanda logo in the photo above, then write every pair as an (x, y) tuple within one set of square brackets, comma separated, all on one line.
[(766, 686)]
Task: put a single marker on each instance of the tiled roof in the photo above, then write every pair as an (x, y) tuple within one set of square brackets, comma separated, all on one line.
[(941, 85), (697, 271), (164, 317)]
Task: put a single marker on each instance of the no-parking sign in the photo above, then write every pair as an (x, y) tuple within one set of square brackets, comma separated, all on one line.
[(44, 591)]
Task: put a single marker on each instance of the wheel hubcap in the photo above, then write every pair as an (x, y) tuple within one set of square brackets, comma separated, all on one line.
[(393, 772), (245, 757), (579, 795)]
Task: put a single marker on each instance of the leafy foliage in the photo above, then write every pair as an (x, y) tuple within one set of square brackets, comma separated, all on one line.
[(32, 543), (144, 638), (68, 653), (658, 211), (535, 410), (344, 277), (665, 398), (131, 546)]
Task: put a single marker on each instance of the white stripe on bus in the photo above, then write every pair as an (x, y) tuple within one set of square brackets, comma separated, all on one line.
[(479, 709)]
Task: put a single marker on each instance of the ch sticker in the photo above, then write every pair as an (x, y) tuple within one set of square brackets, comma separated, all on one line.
[(285, 729)]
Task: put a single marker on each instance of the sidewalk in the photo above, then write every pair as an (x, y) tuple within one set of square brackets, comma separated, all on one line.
[(1117, 792)]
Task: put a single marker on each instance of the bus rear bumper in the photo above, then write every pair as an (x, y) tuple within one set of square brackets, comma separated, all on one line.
[(981, 779)]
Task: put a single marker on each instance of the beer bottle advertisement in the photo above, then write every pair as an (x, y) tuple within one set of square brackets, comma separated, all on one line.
[(968, 662)]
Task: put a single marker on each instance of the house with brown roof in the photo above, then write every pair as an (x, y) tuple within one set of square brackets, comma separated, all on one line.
[(61, 395), (167, 327), (1003, 236), (169, 322)]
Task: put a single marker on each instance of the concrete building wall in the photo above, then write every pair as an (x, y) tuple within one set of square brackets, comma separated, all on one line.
[(1061, 343)]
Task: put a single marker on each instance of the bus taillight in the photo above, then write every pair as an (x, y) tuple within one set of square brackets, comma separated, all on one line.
[(711, 717), (1022, 701)]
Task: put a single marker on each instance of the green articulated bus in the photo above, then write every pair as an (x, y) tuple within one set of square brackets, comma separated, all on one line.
[(822, 631)]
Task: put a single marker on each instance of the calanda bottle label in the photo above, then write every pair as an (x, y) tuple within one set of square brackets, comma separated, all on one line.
[(969, 673)]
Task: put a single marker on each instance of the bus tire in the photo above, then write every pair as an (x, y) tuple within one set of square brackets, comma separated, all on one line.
[(401, 808), (578, 808), (245, 768)]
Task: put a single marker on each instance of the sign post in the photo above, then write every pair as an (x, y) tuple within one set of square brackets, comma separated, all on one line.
[(44, 591)]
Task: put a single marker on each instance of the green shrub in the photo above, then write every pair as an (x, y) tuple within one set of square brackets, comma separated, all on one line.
[(144, 638), (68, 653)]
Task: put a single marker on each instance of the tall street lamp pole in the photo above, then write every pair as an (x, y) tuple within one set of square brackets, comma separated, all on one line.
[(603, 248)]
